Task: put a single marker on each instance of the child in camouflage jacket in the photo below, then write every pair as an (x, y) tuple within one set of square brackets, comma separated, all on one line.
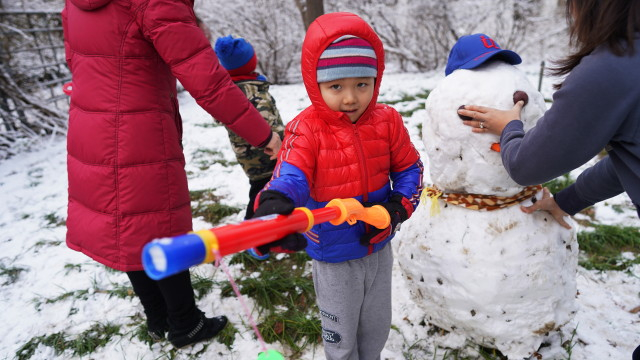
[(239, 58)]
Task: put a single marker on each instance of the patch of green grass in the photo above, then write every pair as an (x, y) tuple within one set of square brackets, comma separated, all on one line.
[(56, 341), (109, 270), (298, 260), (205, 158), (278, 282), (617, 208), (53, 220), (416, 350), (603, 247), (206, 203), (569, 344), (404, 97), (559, 183), (409, 113), (477, 352), (293, 328), (35, 173), (43, 243), (72, 267), (277, 287), (76, 294), (12, 273), (141, 332), (228, 335), (119, 291), (84, 343), (282, 289), (421, 349), (201, 285)]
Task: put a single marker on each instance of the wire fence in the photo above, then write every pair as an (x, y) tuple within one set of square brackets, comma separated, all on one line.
[(32, 72)]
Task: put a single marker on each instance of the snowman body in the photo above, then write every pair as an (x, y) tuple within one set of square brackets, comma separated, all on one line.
[(500, 278)]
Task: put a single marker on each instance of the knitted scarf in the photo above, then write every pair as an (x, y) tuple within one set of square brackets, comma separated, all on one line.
[(479, 201)]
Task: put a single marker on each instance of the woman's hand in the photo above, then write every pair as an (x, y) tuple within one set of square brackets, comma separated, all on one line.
[(273, 146), (548, 203), (490, 120)]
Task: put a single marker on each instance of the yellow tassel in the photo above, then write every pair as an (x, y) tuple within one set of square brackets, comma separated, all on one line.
[(433, 193)]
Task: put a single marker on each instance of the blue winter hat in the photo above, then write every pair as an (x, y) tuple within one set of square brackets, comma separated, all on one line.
[(235, 54), (474, 50)]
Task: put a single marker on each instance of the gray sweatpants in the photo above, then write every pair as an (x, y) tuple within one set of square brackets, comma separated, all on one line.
[(354, 298)]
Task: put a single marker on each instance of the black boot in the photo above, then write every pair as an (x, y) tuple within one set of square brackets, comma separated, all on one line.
[(152, 301), (205, 329), (157, 330)]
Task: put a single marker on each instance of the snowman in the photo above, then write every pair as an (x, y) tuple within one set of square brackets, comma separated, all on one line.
[(474, 262)]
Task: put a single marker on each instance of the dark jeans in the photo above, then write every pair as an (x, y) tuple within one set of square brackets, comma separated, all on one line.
[(167, 301), (256, 186)]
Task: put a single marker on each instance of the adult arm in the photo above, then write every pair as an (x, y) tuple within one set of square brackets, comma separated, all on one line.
[(585, 115), (597, 183), (171, 26)]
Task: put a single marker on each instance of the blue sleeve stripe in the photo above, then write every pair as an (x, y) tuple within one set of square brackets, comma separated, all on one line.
[(409, 182), (291, 181)]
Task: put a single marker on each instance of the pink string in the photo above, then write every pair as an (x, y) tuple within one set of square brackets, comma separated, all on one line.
[(219, 263)]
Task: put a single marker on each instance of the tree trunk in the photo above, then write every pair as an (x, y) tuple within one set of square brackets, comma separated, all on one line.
[(310, 10)]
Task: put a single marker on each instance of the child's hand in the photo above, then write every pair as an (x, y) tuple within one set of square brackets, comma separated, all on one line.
[(398, 213), (548, 203), (275, 202), (489, 120), (273, 146)]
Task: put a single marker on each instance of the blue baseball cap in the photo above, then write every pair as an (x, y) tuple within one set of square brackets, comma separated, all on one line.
[(471, 51)]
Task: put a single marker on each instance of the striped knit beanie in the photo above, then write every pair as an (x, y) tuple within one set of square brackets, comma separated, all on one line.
[(348, 56)]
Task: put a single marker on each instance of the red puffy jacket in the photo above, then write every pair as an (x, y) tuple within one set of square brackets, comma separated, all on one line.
[(127, 183), (341, 159), (325, 156)]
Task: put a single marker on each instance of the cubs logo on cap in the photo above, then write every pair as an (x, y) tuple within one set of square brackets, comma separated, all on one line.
[(474, 50)]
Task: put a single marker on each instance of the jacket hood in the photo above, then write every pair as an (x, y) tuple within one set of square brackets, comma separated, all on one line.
[(322, 32), (89, 5)]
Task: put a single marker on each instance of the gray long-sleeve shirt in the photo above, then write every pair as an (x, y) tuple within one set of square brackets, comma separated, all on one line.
[(598, 105)]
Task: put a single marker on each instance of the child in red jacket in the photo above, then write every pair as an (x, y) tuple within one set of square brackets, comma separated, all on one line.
[(345, 145)]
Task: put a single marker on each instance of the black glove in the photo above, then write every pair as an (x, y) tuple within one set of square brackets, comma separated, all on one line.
[(275, 202), (398, 208)]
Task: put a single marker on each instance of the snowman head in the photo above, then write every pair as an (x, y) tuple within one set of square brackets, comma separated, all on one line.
[(459, 160)]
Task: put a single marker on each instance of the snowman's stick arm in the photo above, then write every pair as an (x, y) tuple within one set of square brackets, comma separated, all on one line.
[(167, 256)]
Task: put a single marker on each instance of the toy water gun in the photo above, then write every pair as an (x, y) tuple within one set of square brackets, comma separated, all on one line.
[(167, 256)]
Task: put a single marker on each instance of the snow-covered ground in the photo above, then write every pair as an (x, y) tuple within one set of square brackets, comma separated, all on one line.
[(33, 187)]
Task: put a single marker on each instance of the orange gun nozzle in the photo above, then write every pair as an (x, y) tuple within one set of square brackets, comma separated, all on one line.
[(351, 210)]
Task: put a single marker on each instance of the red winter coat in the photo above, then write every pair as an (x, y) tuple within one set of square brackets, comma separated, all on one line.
[(127, 183)]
